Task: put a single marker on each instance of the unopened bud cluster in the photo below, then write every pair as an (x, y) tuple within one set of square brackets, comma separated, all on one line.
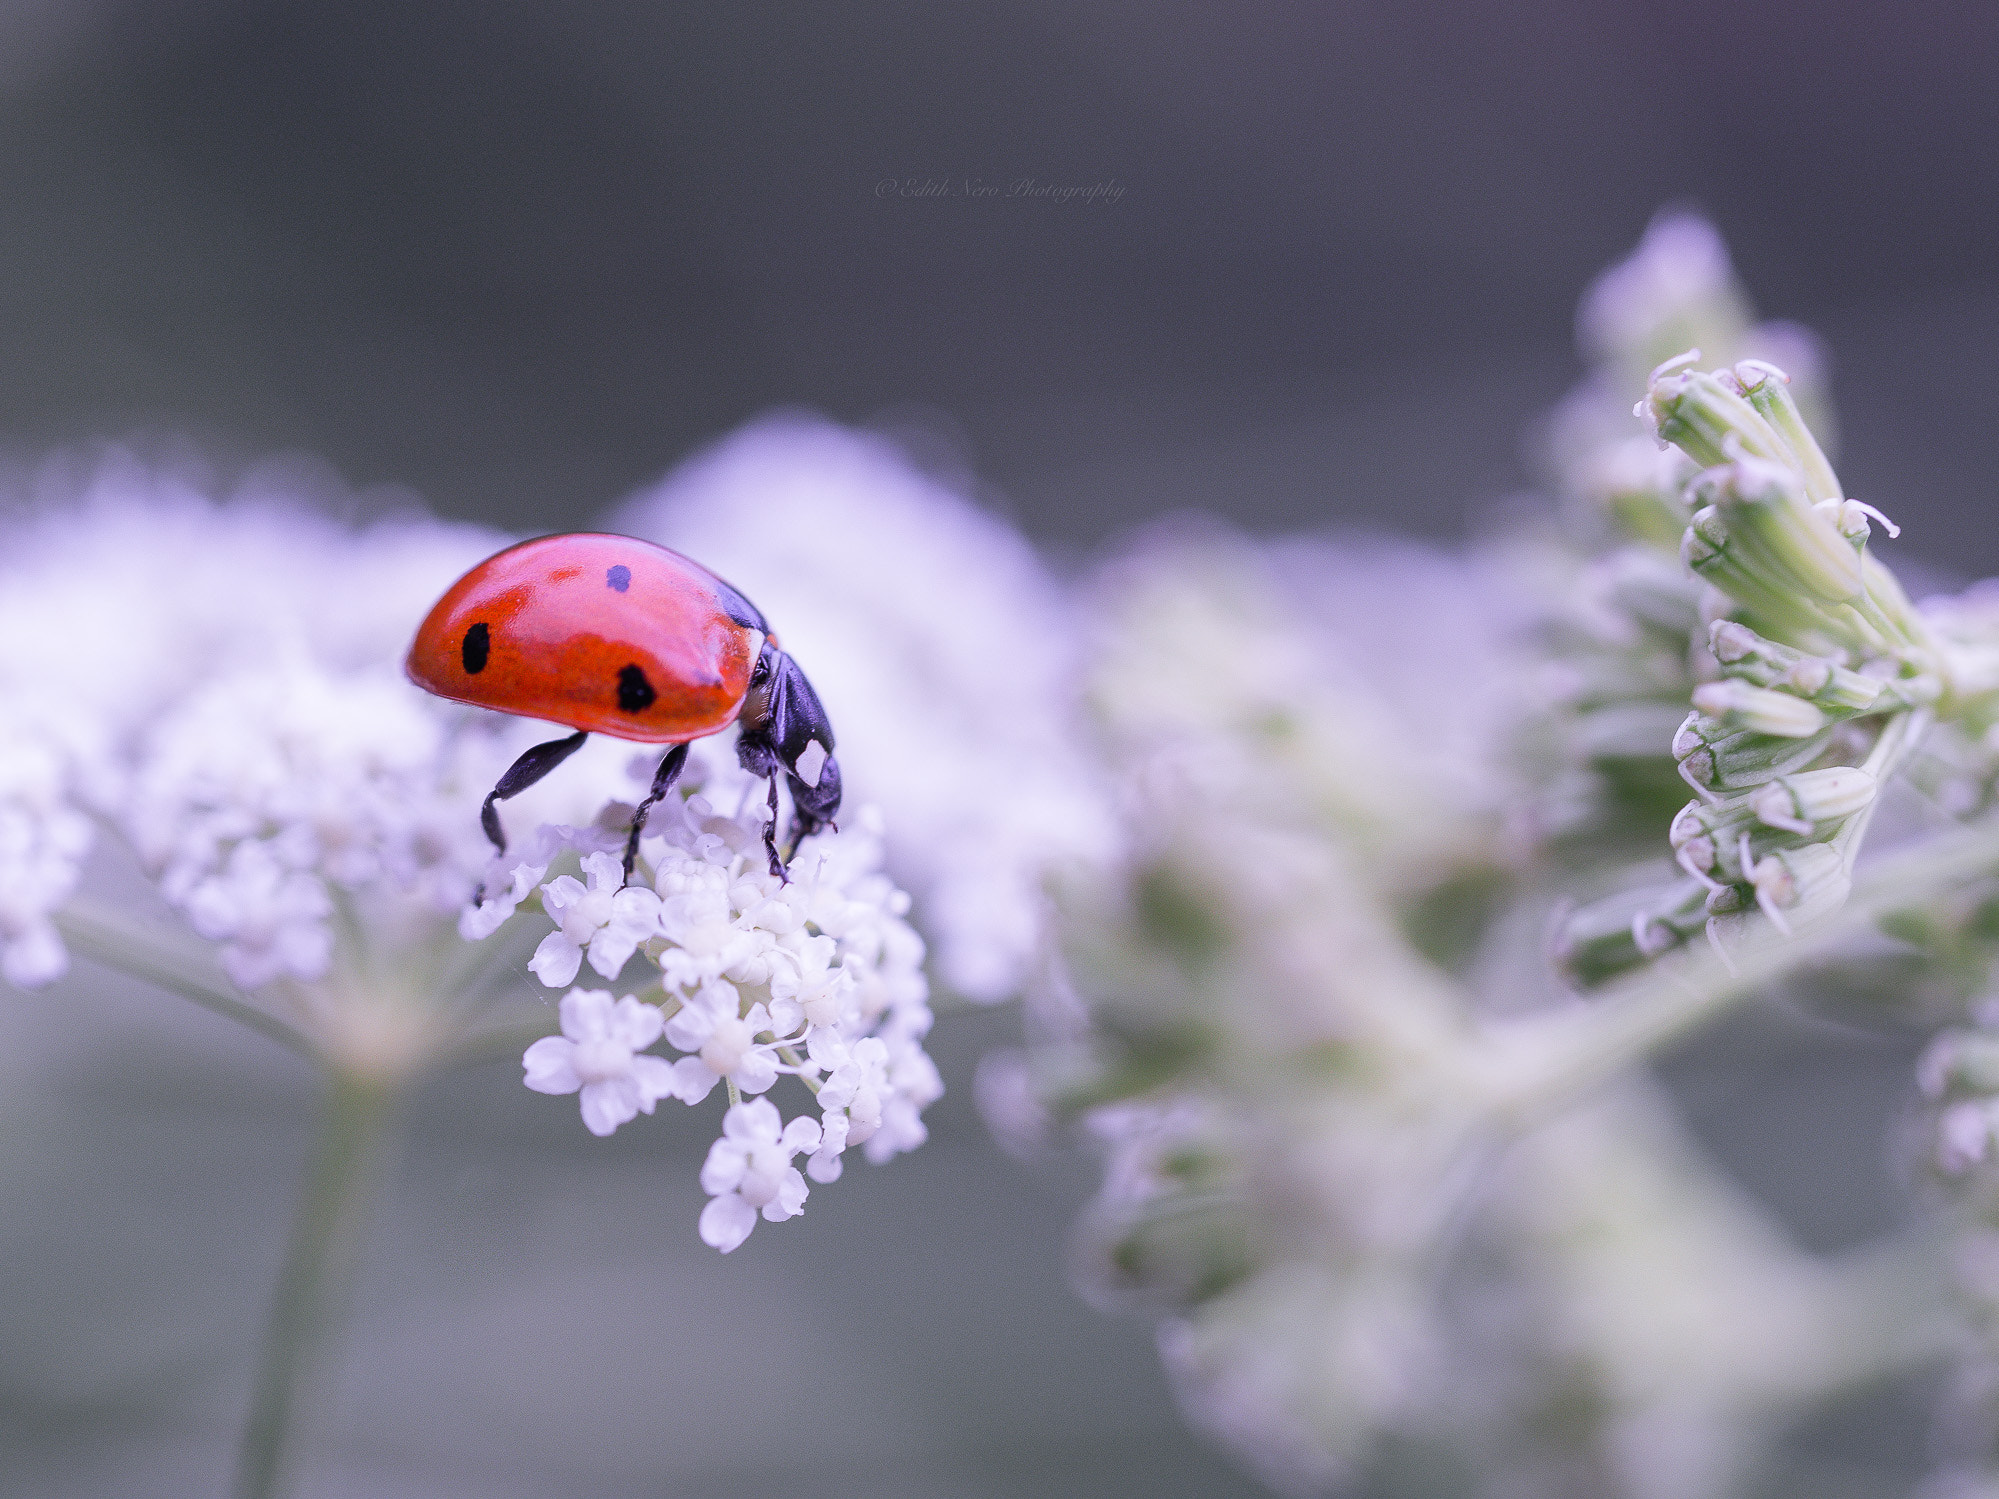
[(1823, 674), (1619, 640)]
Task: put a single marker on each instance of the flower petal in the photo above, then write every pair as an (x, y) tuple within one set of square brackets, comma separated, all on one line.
[(653, 1077), (555, 962), (608, 1104), (752, 1123), (586, 1015), (726, 1222), (550, 1065), (801, 1133), (692, 1080), (635, 1023), (757, 1070), (790, 1199)]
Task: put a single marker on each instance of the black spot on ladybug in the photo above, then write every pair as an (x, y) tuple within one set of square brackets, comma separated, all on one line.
[(635, 693), (620, 578), (478, 641)]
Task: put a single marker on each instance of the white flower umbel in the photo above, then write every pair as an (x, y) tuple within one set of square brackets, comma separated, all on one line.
[(818, 977), (945, 653), (214, 776)]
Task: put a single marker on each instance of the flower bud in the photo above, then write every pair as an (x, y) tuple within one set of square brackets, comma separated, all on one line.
[(1849, 518), (1741, 706), (1608, 937), (1801, 884), (1707, 841), (1774, 531), (1708, 419), (1767, 389), (1715, 760), (1798, 803), (1736, 580), (1731, 642), (1726, 900), (1675, 287), (1959, 1060), (1764, 663)]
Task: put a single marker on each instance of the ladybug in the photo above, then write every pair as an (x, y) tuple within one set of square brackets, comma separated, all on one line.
[(616, 636)]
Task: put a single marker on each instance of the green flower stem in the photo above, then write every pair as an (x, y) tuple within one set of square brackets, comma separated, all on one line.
[(1900, 737), (1548, 1061), (319, 1262), (181, 967), (795, 1060)]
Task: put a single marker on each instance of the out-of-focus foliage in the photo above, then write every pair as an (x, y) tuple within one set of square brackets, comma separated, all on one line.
[(1401, 1201)]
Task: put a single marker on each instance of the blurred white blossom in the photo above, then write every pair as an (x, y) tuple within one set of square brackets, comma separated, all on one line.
[(1386, 1184)]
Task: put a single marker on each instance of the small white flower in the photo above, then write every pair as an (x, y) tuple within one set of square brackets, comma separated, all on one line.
[(695, 916), (270, 919), (749, 1171), (913, 1086), (607, 920), (476, 923), (1965, 1134), (33, 955), (42, 845), (879, 1087), (712, 1025), (810, 986), (856, 1081), (598, 1052), (825, 1165)]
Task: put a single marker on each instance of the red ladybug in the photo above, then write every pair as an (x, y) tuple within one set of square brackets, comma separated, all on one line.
[(616, 636)]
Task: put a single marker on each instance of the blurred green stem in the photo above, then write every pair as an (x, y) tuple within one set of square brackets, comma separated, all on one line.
[(177, 964), (1552, 1059), (312, 1287)]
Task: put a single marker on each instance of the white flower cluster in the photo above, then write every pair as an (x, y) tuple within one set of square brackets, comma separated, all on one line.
[(274, 793), (217, 687), (818, 977), (211, 696)]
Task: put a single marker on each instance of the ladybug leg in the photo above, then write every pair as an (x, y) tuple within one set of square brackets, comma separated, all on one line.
[(662, 782), (522, 774), (770, 837)]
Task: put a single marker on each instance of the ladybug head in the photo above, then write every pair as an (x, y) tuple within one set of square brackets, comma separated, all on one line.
[(784, 728)]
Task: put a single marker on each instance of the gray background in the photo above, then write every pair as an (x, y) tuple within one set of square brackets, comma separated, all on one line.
[(520, 258)]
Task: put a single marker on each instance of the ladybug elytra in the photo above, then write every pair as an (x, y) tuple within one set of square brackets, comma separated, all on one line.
[(611, 635)]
